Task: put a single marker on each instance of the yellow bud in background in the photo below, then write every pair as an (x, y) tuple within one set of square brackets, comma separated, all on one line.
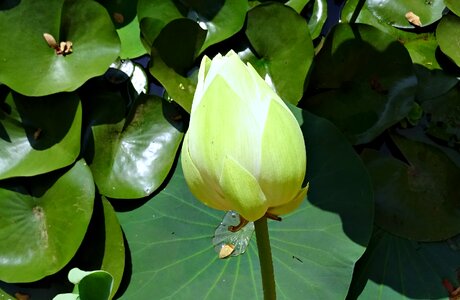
[(244, 150)]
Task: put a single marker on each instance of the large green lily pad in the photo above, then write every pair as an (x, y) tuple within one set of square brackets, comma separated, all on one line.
[(170, 235), (362, 81), (396, 268), (283, 54), (394, 12), (43, 221), (39, 135), (30, 67), (418, 201), (133, 156), (448, 36)]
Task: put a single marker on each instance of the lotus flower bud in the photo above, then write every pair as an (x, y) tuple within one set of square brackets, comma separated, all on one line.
[(244, 150)]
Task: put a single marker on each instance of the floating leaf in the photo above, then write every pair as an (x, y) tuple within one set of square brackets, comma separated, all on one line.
[(5, 296), (297, 5), (422, 46), (444, 117), (218, 19), (122, 12), (453, 5), (357, 11), (91, 285), (172, 57), (448, 36), (318, 18), (422, 49), (283, 54), (43, 222), (372, 85), (131, 45), (416, 201), (124, 17), (180, 88), (39, 135), (30, 67), (433, 83), (395, 13), (133, 156), (396, 268), (102, 248)]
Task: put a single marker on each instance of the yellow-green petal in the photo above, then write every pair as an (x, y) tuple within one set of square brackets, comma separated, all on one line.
[(202, 189), (291, 205), (283, 161), (242, 191), (223, 125)]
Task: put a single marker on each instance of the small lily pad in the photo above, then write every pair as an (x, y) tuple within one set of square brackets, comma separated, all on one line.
[(318, 18), (90, 285), (131, 44), (395, 12), (217, 18), (297, 5), (133, 156), (448, 36), (283, 54), (124, 17), (40, 134), (30, 67)]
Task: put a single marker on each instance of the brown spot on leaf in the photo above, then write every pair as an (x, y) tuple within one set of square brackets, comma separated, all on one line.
[(21, 296), (119, 18), (37, 133), (41, 220), (413, 18)]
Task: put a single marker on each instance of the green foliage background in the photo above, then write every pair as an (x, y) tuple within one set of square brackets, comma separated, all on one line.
[(89, 143)]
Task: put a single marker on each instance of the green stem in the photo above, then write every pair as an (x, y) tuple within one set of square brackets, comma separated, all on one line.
[(265, 258)]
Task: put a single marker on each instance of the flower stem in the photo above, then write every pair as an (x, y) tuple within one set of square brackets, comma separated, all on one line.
[(265, 259)]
